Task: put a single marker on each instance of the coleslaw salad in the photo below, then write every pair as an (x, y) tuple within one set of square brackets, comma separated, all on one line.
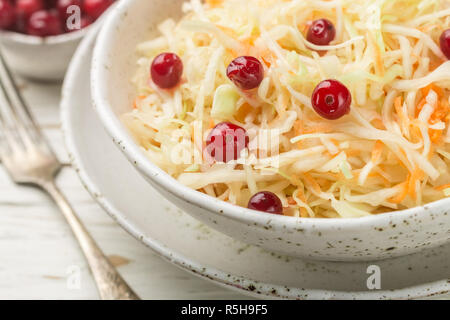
[(391, 153)]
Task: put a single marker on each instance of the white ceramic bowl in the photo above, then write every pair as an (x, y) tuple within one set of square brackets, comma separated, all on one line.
[(371, 238), (40, 58)]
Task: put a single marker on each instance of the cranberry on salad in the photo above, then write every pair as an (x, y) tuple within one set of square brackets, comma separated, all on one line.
[(331, 99), (321, 32), (246, 72), (166, 70), (266, 201), (226, 142), (445, 43)]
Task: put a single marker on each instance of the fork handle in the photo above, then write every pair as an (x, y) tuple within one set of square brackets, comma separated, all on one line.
[(110, 284)]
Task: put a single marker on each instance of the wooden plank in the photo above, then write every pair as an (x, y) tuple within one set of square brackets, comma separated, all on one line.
[(38, 252)]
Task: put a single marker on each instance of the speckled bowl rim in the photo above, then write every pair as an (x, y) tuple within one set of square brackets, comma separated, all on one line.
[(126, 143), (233, 282)]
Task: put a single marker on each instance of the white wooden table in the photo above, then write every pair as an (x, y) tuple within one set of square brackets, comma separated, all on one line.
[(38, 253)]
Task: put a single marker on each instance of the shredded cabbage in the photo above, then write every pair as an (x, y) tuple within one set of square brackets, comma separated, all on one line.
[(392, 152), (447, 192), (224, 104)]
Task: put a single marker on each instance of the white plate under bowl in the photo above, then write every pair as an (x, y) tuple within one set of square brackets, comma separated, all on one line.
[(187, 243)]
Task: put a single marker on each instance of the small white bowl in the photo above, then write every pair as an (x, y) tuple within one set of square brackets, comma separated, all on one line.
[(376, 237), (40, 58), (43, 58)]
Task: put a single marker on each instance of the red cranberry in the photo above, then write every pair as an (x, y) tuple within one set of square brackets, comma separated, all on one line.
[(25, 8), (95, 8), (166, 70), (226, 141), (20, 26), (44, 23), (267, 202), (246, 72), (7, 14), (321, 32), (62, 6), (86, 21), (331, 99), (49, 4), (445, 43)]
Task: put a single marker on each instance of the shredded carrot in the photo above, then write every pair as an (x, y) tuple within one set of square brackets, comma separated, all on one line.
[(386, 182), (228, 31), (301, 195), (291, 201), (352, 152), (298, 127), (137, 100), (435, 136), (441, 113), (420, 106), (378, 123), (303, 211), (402, 118), (322, 181), (417, 175), (267, 57), (402, 195), (428, 28), (321, 128), (425, 91), (415, 132), (335, 142), (431, 153), (408, 187), (377, 151), (441, 188), (211, 124), (266, 61), (406, 159), (305, 26), (379, 65), (312, 182), (214, 3), (231, 53), (243, 112), (295, 180)]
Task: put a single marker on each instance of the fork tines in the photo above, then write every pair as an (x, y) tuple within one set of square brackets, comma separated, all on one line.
[(17, 126)]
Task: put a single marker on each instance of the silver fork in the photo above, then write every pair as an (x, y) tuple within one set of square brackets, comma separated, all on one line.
[(28, 158)]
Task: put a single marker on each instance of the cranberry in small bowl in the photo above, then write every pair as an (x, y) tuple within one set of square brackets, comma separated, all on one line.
[(39, 37)]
